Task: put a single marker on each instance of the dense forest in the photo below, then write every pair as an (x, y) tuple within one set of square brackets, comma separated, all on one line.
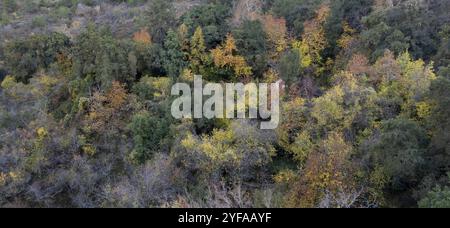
[(85, 103)]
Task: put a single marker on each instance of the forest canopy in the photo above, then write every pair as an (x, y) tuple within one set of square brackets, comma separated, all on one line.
[(85, 103)]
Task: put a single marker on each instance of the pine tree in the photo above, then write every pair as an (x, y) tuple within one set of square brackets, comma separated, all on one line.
[(198, 56)]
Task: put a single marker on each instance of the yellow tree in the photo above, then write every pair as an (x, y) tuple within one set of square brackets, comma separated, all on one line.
[(328, 178), (224, 57), (198, 56), (276, 30), (142, 37), (347, 36), (313, 39)]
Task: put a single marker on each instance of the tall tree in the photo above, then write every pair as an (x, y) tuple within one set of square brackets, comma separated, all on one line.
[(198, 56), (160, 17)]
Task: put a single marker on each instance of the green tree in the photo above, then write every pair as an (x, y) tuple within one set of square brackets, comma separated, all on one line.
[(440, 94), (24, 57), (400, 150), (160, 17), (99, 59), (296, 12), (149, 133), (198, 56), (212, 18), (252, 44), (439, 197), (175, 60)]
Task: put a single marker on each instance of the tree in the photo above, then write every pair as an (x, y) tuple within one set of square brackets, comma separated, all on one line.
[(160, 18), (225, 57), (106, 110), (142, 36), (99, 59), (289, 67), (439, 197), (149, 133), (443, 55), (9, 5), (313, 41), (212, 18), (344, 13), (175, 59), (439, 93), (252, 43), (405, 26), (197, 56), (296, 12), (24, 57), (276, 31), (399, 149), (328, 172)]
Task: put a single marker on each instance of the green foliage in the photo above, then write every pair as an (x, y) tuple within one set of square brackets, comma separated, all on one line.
[(400, 150), (175, 60), (440, 123), (406, 26), (149, 134), (212, 18), (296, 12), (9, 5), (439, 197), (99, 59), (252, 44), (85, 117), (289, 67), (25, 57), (349, 11), (160, 18)]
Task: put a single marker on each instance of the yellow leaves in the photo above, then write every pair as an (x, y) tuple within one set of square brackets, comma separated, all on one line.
[(378, 180), (223, 136), (271, 76), (14, 176), (189, 142), (219, 146), (223, 56), (117, 95), (302, 147), (424, 110), (159, 86), (41, 133), (323, 12), (43, 84), (86, 148), (8, 82), (198, 55), (47, 81), (187, 75), (83, 103), (327, 169), (336, 146), (3, 179), (89, 150), (328, 109), (142, 37), (285, 177), (306, 59), (313, 39), (347, 36), (276, 30), (103, 109)]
